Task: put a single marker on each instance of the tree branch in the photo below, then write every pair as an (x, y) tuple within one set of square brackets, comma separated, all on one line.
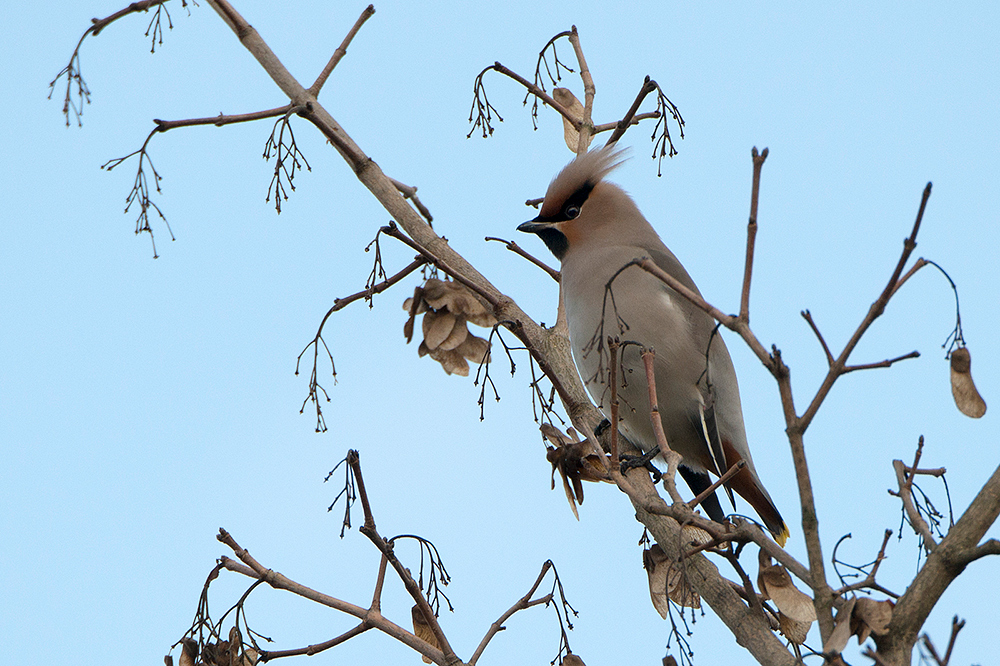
[(341, 51)]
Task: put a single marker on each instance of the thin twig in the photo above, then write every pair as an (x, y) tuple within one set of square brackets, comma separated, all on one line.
[(672, 457), (758, 162), (707, 492), (587, 125), (905, 494), (877, 308), (613, 346), (341, 51), (517, 249), (630, 118), (880, 364), (521, 604), (812, 324), (221, 120), (410, 192)]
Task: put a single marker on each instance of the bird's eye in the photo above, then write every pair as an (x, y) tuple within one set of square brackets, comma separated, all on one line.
[(572, 212)]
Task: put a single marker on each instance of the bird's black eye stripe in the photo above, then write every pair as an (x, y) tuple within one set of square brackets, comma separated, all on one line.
[(574, 203)]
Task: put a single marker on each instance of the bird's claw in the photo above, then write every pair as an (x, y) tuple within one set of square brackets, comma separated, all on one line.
[(645, 460)]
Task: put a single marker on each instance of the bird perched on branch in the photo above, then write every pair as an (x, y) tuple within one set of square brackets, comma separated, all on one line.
[(595, 229)]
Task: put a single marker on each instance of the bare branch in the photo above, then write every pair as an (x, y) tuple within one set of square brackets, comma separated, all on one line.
[(586, 128), (341, 51), (819, 336), (880, 364), (72, 70), (338, 304), (630, 117), (517, 249), (758, 162), (877, 308)]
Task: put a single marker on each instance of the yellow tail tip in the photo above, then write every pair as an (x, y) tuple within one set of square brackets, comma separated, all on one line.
[(782, 536)]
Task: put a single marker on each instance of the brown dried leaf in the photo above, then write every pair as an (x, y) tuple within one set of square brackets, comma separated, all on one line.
[(575, 461), (189, 652), (963, 389), (656, 564), (793, 630), (871, 617), (216, 654), (694, 535), (679, 588), (572, 660), (474, 349), (457, 336), (437, 327), (451, 360), (789, 599), (423, 631), (841, 628), (565, 97), (458, 299)]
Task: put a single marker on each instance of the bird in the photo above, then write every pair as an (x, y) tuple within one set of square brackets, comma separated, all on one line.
[(595, 229)]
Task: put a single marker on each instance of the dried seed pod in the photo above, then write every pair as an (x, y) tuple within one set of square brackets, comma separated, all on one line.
[(871, 617), (841, 628), (447, 308), (575, 462), (695, 535), (474, 349), (189, 652), (457, 336), (777, 584), (565, 97), (656, 564), (423, 631), (437, 327), (963, 389), (793, 630), (679, 588)]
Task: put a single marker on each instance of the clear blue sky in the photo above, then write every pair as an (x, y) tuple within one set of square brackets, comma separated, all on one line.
[(144, 404)]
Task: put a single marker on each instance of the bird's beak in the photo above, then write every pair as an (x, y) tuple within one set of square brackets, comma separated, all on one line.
[(534, 226)]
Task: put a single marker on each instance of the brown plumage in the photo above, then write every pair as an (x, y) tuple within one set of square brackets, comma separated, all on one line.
[(595, 229)]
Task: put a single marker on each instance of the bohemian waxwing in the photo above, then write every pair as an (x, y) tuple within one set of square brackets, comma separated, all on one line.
[(594, 228)]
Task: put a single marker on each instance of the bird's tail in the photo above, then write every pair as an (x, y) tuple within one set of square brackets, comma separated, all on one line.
[(749, 488)]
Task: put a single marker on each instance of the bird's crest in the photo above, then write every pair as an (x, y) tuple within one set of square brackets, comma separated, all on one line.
[(583, 173)]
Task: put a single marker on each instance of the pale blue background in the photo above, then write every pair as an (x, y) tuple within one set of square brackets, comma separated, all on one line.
[(145, 403)]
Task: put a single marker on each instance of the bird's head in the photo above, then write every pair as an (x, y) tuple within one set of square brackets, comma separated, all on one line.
[(577, 201)]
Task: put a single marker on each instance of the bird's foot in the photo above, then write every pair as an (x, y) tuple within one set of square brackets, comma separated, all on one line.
[(645, 460)]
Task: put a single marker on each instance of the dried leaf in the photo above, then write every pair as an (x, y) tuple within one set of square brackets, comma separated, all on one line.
[(457, 336), (841, 628), (565, 97), (453, 297), (423, 631), (451, 360), (474, 349), (871, 617), (572, 660), (575, 461), (656, 564), (679, 588), (776, 582), (695, 535), (437, 327), (793, 630), (963, 389), (216, 654), (189, 652)]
